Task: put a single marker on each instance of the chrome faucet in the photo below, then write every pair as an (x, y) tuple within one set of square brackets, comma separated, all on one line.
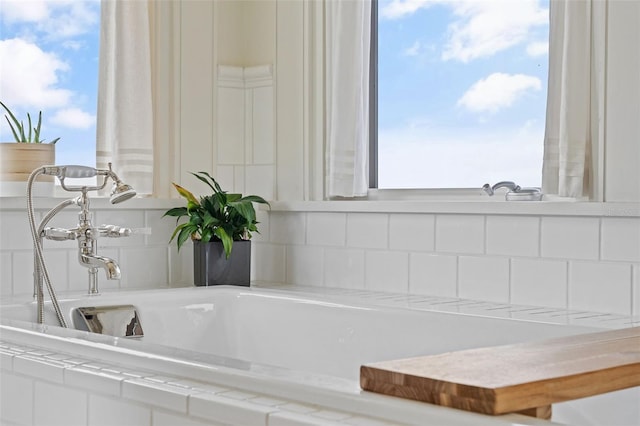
[(504, 184), (85, 233), (515, 193)]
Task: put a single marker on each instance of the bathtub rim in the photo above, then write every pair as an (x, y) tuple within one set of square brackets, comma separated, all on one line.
[(346, 398)]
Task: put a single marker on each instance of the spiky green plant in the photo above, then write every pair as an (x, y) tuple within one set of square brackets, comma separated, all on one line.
[(217, 217), (32, 134)]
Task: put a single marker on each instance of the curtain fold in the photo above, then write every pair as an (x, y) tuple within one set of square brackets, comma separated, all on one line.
[(125, 104), (575, 109), (348, 31)]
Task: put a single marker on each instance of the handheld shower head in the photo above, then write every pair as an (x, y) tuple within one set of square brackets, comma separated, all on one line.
[(121, 192)]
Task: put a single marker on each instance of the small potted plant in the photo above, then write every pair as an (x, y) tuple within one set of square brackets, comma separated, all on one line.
[(27, 152), (220, 226)]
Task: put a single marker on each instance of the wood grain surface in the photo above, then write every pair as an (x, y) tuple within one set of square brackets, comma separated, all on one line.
[(526, 377)]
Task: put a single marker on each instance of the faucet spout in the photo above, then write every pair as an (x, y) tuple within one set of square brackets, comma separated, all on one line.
[(504, 184), (110, 266)]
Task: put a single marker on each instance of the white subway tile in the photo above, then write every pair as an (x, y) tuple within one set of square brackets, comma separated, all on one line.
[(22, 265), (287, 227), (483, 278), (144, 267), (260, 181), (539, 282), (296, 419), (45, 369), (181, 265), (15, 233), (304, 265), (263, 219), (16, 399), (621, 239), (161, 227), (159, 394), (387, 271), (413, 232), (513, 235), (6, 360), (600, 287), (166, 419), (6, 280), (432, 274), (344, 268), (326, 229), (570, 237), (56, 405), (57, 265), (460, 233), (104, 411), (268, 264), (230, 411), (94, 380), (367, 230), (124, 218)]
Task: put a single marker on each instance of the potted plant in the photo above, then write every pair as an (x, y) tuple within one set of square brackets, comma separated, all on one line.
[(27, 152), (220, 226)]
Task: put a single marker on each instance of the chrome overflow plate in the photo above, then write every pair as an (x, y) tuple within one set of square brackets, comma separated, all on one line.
[(118, 321)]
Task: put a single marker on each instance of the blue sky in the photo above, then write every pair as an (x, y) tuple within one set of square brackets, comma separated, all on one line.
[(49, 63), (462, 85), (462, 91)]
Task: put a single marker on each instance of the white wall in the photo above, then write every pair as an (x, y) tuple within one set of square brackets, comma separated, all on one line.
[(581, 263), (574, 261), (145, 260)]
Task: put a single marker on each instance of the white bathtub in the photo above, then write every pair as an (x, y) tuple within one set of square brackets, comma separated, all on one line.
[(297, 346)]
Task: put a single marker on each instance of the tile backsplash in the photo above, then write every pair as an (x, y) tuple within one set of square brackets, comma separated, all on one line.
[(580, 263), (146, 258)]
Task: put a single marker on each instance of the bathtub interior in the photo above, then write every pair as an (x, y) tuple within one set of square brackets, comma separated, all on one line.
[(295, 332), (316, 341)]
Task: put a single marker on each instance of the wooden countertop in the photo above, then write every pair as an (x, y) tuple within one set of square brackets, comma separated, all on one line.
[(525, 378)]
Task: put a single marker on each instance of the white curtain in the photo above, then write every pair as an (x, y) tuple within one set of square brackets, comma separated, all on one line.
[(575, 104), (125, 105), (348, 30)]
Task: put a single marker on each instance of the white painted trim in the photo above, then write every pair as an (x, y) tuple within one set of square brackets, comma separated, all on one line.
[(533, 208)]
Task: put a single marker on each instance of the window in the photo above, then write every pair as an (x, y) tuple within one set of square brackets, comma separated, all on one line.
[(461, 93), (49, 63)]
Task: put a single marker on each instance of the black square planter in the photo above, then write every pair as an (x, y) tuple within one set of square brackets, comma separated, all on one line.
[(211, 267)]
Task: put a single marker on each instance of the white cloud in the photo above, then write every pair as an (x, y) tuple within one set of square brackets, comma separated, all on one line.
[(74, 118), (57, 19), (487, 27), (497, 91), (396, 9), (24, 11), (29, 76), (436, 157), (413, 50), (537, 48)]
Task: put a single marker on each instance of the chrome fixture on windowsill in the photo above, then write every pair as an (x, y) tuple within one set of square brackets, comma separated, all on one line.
[(515, 193), (85, 233)]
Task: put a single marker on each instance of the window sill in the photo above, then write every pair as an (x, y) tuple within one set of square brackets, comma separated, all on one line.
[(538, 208)]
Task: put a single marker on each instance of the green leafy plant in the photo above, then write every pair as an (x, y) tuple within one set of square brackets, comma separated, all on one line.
[(21, 134), (217, 217)]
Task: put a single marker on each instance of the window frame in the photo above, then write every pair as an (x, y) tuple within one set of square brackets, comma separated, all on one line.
[(381, 194)]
